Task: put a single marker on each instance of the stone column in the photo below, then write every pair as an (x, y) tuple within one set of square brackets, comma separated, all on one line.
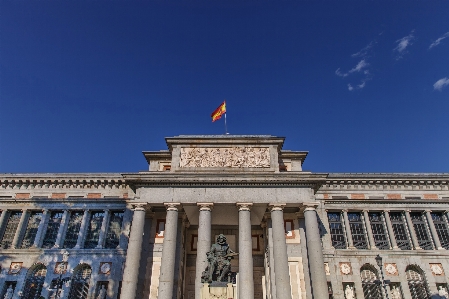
[(433, 230), (203, 243), (271, 257), (393, 243), (348, 230), (166, 278), (3, 221), (411, 229), (104, 227), (283, 287), (20, 228), (61, 230), (369, 230), (83, 228), (40, 229), (132, 263), (246, 269), (315, 251)]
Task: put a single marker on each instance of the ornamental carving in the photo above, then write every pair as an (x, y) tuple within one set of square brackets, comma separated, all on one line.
[(437, 269), (345, 268), (235, 157), (391, 269)]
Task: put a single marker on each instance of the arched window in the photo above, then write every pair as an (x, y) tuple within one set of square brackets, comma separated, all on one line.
[(416, 283), (371, 284), (79, 287), (34, 282)]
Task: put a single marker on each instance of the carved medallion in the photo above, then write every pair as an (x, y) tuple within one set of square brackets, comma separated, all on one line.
[(391, 269), (229, 157), (15, 268), (105, 268), (345, 268), (61, 268), (437, 269)]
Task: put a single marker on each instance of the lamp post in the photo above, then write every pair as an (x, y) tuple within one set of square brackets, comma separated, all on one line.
[(384, 282), (62, 268)]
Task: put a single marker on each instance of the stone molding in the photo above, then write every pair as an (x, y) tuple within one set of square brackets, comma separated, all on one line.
[(387, 183), (70, 183)]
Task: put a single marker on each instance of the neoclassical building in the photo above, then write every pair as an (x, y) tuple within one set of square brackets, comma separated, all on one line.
[(298, 234)]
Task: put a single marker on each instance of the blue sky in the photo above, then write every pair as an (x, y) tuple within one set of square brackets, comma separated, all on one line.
[(85, 86)]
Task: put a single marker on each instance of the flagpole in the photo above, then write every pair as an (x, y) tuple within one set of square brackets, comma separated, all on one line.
[(226, 127)]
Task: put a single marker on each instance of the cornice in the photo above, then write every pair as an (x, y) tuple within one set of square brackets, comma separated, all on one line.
[(61, 181), (386, 182), (408, 202), (222, 179)]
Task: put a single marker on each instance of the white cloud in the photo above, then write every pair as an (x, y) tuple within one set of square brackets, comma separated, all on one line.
[(441, 83), (403, 43), (438, 41), (340, 74), (362, 64), (364, 51), (350, 88), (361, 85)]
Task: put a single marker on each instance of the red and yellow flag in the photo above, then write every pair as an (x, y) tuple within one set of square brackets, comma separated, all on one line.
[(219, 111)]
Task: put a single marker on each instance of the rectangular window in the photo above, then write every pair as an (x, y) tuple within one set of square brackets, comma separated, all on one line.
[(379, 231), (357, 231), (11, 228), (114, 230), (31, 230), (442, 230), (93, 232), (400, 231), (52, 229), (422, 234), (336, 230), (73, 229)]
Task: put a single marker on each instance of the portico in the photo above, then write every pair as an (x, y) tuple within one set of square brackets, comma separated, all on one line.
[(230, 185)]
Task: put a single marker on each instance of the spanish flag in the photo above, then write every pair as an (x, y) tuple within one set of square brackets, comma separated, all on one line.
[(219, 111)]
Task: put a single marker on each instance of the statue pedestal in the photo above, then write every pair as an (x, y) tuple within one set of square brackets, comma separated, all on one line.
[(217, 291)]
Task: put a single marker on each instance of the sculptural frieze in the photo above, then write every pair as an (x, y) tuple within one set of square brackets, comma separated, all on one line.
[(219, 258), (234, 157)]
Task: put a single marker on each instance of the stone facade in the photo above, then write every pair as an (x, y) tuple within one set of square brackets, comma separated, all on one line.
[(299, 234)]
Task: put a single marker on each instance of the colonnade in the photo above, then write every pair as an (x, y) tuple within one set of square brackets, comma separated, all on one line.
[(41, 230), (204, 241), (390, 231)]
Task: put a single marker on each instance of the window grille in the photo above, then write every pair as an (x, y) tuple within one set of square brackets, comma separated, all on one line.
[(379, 231), (101, 285), (420, 226), (114, 230), (79, 287), (442, 230), (31, 230), (73, 229), (34, 282), (357, 231), (372, 288), (52, 229), (93, 233), (336, 230), (400, 231), (416, 283), (10, 230)]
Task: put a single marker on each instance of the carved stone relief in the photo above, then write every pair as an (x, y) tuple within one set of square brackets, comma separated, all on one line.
[(235, 157), (345, 268), (437, 269), (391, 268)]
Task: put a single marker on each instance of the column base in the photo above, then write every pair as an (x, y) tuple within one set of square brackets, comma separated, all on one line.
[(352, 247), (210, 292), (441, 248)]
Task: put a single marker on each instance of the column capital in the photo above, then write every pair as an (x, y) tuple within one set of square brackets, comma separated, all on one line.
[(428, 211), (386, 211), (140, 206), (244, 206), (172, 206), (205, 206), (309, 206), (276, 206), (365, 210), (345, 210), (408, 210)]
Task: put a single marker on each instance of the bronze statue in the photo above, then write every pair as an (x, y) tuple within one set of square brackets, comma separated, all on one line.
[(219, 262)]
